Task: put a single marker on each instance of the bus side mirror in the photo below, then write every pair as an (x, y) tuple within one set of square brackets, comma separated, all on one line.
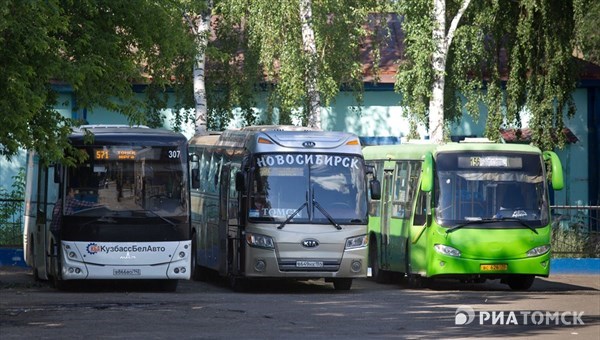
[(195, 179), (427, 173), (239, 181), (556, 168), (375, 187), (57, 173)]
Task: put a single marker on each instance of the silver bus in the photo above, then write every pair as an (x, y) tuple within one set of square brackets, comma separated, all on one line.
[(278, 202)]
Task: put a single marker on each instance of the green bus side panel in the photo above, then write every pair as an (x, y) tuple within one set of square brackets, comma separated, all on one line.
[(418, 250), (396, 257)]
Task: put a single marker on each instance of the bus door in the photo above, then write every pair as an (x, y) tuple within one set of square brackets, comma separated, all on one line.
[(386, 200), (40, 210), (229, 226)]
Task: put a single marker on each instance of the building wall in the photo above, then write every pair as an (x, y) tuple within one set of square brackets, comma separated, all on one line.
[(380, 115)]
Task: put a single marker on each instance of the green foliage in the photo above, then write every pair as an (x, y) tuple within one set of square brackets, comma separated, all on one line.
[(587, 15), (274, 44), (99, 48), (507, 57)]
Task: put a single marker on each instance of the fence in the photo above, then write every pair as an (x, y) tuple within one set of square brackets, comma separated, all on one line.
[(575, 231), (11, 222)]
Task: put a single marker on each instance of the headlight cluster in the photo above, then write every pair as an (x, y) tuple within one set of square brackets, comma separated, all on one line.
[(260, 241), (357, 242), (541, 250), (446, 250)]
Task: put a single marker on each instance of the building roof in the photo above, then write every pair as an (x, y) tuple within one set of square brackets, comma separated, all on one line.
[(392, 51)]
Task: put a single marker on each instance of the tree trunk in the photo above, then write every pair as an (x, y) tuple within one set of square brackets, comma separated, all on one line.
[(310, 48), (442, 43), (201, 28)]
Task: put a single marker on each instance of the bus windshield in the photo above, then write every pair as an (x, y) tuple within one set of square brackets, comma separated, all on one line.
[(119, 179), (316, 188), (490, 186)]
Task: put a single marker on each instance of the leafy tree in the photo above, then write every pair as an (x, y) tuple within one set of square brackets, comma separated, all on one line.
[(510, 56), (99, 48), (306, 49), (588, 18)]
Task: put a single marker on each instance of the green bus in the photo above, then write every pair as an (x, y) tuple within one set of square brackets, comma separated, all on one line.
[(471, 211)]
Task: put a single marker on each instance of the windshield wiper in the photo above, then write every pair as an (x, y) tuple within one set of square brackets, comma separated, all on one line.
[(292, 215), (458, 226), (490, 220), (324, 212), (161, 217), (523, 223)]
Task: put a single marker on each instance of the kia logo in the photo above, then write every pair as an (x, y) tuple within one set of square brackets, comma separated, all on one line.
[(309, 144), (310, 243)]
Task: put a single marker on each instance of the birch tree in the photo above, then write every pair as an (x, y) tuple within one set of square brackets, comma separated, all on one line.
[(307, 50), (200, 25), (505, 57), (310, 49)]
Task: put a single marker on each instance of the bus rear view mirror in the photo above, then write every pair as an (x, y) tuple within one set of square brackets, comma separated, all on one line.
[(427, 172), (556, 168), (370, 170), (195, 179), (57, 173), (239, 181), (375, 187)]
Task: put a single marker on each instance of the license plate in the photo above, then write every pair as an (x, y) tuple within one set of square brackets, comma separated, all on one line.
[(127, 272), (490, 267), (309, 264)]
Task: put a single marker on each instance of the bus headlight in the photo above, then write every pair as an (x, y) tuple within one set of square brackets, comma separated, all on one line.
[(357, 242), (260, 241), (541, 250), (446, 250)]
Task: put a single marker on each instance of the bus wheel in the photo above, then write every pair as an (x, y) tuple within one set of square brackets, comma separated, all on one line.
[(36, 272), (198, 272), (417, 281), (56, 270), (520, 282), (378, 274), (342, 284), (238, 284), (168, 285)]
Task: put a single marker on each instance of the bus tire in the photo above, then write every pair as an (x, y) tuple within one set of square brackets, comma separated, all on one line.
[(56, 270), (416, 281), (378, 274), (238, 284), (198, 272), (520, 282), (36, 272), (342, 284), (168, 285)]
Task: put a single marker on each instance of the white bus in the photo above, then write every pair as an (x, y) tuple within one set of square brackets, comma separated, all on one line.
[(279, 202), (121, 214)]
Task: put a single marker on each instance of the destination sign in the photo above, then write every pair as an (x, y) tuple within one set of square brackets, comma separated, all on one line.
[(114, 154), (308, 159), (490, 162)]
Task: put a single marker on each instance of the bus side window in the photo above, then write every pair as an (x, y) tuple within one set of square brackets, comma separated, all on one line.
[(421, 209)]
